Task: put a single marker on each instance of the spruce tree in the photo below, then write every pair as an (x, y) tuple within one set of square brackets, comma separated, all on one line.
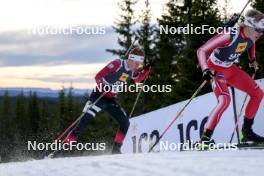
[(69, 106), (168, 45), (7, 129), (189, 74), (123, 27), (21, 117), (146, 32), (34, 116), (62, 109), (146, 42)]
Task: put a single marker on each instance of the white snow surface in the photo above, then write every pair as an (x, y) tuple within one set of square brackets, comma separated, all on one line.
[(189, 163)]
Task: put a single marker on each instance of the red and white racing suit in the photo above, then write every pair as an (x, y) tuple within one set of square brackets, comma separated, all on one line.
[(223, 50)]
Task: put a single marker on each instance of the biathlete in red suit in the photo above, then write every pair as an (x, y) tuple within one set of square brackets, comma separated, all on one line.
[(223, 50), (115, 73)]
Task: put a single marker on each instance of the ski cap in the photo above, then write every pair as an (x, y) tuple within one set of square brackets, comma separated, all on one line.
[(255, 19), (136, 54)]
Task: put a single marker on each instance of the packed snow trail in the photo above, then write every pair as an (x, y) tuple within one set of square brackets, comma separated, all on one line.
[(207, 163)]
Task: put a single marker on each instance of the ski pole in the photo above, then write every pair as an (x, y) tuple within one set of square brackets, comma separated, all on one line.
[(73, 124), (179, 114), (136, 101), (244, 8), (77, 120), (130, 47), (235, 112), (234, 19), (138, 95), (240, 113)]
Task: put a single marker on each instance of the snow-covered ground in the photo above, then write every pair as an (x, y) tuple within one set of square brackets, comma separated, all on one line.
[(207, 163)]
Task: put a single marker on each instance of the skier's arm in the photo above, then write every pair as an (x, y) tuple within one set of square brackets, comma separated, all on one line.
[(215, 42), (140, 76), (109, 68)]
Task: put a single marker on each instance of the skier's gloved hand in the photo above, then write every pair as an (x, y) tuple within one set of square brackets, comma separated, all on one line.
[(232, 21), (253, 66), (207, 75)]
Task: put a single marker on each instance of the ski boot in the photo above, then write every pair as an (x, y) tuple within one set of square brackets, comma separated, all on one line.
[(116, 148), (205, 141), (247, 135)]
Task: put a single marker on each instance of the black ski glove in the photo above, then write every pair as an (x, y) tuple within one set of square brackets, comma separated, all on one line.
[(232, 21), (207, 75)]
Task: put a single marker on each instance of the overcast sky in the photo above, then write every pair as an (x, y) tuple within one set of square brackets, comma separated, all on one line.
[(30, 60)]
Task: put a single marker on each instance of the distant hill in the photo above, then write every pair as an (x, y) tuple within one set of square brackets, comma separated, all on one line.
[(41, 92)]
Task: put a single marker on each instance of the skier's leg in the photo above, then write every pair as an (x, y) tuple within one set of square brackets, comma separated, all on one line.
[(223, 100), (88, 114), (117, 112), (242, 81)]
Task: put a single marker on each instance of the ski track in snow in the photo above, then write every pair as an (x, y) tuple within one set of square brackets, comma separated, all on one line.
[(207, 163)]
